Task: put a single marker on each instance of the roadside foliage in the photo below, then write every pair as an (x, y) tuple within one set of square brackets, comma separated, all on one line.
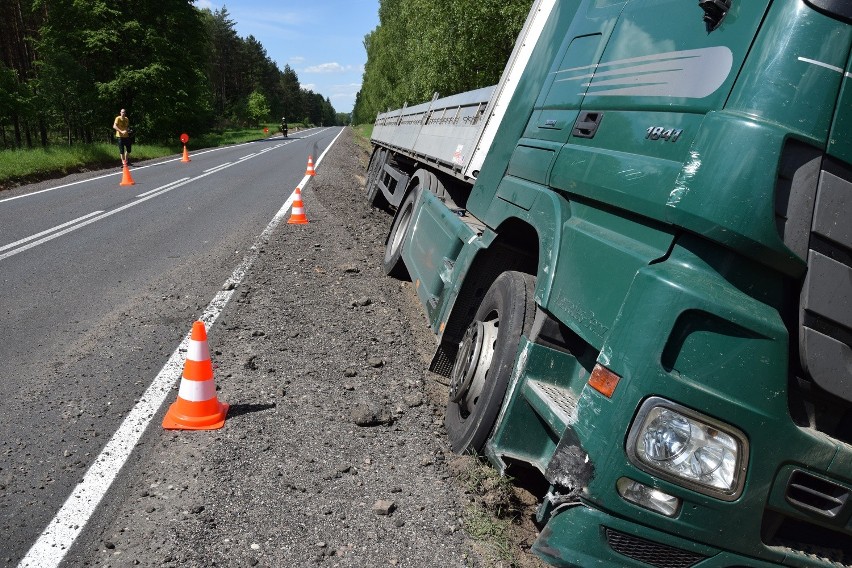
[(421, 47)]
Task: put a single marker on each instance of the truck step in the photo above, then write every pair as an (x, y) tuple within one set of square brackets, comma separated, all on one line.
[(556, 405)]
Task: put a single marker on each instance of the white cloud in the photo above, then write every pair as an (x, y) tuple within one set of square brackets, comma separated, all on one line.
[(326, 68), (205, 4), (349, 89)]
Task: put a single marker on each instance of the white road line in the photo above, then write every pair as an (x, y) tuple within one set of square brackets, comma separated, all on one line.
[(217, 168), (162, 187), (98, 218), (58, 187), (50, 548), (56, 228)]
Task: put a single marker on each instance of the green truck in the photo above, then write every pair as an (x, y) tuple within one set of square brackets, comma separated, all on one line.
[(636, 253)]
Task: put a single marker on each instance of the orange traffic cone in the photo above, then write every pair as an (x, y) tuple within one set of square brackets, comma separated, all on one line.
[(125, 176), (196, 407), (297, 217), (185, 155), (310, 171)]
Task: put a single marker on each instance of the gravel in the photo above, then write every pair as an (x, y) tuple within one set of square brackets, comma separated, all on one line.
[(334, 451)]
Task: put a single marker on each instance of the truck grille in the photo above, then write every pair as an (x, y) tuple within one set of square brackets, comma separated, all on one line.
[(649, 552)]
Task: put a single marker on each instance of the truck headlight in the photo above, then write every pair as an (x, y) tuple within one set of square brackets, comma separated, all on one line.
[(688, 448), (648, 497)]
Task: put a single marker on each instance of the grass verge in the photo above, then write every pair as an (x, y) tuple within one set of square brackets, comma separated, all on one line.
[(364, 133), (491, 514)]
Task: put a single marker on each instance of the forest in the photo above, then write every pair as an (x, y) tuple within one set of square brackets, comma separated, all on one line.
[(421, 47), (68, 66)]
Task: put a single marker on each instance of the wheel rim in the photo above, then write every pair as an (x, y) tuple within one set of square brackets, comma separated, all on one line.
[(401, 228), (469, 373)]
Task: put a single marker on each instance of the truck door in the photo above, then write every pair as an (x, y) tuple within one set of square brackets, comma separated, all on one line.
[(559, 101), (663, 68)]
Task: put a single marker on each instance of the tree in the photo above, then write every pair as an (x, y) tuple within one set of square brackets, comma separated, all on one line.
[(15, 100), (68, 95), (258, 108), (291, 96), (225, 49)]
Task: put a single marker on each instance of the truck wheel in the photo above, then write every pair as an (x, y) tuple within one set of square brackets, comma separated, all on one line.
[(374, 195), (372, 168), (393, 264), (486, 358)]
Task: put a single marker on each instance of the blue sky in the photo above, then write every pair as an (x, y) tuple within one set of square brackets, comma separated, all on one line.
[(322, 40)]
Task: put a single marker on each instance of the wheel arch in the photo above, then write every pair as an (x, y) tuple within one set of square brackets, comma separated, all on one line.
[(524, 240), (515, 247)]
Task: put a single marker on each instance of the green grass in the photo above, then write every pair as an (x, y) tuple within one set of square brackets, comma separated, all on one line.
[(491, 534), (20, 166), (363, 134), (488, 517), (30, 165), (364, 130)]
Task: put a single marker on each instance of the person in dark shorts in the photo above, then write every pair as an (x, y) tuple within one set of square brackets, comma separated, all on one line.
[(125, 139)]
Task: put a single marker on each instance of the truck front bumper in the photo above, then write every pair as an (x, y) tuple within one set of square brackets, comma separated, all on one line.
[(580, 536)]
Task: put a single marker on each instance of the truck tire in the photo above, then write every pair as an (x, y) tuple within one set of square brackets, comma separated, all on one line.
[(422, 180), (375, 198), (392, 263), (485, 360)]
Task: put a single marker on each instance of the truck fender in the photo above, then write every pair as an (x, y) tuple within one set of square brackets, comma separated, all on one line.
[(525, 241)]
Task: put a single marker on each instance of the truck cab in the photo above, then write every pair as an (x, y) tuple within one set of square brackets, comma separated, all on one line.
[(643, 296)]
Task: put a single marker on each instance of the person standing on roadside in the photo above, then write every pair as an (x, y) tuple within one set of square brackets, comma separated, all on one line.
[(121, 125)]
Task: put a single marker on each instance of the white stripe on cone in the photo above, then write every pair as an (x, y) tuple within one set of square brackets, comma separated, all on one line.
[(197, 351), (197, 391)]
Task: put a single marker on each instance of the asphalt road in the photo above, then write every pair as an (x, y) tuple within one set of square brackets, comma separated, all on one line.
[(100, 283)]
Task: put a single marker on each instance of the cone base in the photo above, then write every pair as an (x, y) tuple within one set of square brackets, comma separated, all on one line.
[(298, 221), (174, 420)]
